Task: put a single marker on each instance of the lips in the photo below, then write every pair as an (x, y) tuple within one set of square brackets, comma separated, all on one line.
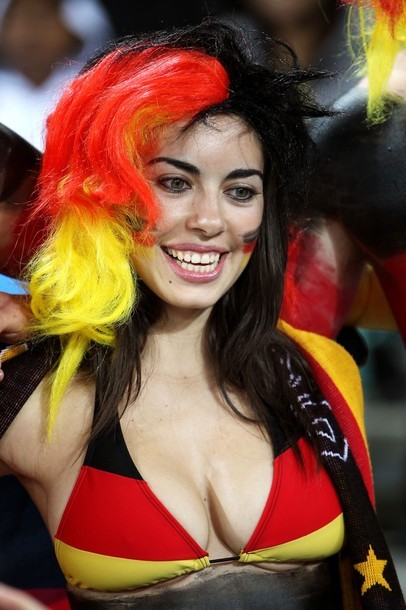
[(194, 265)]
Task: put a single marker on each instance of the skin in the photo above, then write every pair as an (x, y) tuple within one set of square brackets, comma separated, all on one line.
[(12, 599), (13, 318), (397, 81), (194, 452)]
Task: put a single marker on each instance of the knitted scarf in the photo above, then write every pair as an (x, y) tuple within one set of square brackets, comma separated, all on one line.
[(344, 455)]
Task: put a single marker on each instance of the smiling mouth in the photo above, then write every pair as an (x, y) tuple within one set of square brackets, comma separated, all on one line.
[(198, 262)]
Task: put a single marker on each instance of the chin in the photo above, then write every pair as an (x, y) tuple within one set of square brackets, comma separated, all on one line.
[(190, 304)]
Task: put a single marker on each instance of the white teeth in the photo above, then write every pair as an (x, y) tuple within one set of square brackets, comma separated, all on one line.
[(197, 268), (195, 261)]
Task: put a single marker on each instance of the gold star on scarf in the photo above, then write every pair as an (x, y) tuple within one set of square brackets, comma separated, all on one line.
[(372, 571)]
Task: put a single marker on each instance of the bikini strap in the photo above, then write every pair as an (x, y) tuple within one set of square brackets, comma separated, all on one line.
[(108, 450)]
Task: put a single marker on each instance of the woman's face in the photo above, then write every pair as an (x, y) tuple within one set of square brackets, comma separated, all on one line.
[(208, 181)]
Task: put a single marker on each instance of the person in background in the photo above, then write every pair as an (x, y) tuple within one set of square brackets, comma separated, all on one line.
[(315, 29), (43, 44)]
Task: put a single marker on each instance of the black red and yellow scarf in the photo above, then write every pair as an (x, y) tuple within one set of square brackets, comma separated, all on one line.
[(336, 416)]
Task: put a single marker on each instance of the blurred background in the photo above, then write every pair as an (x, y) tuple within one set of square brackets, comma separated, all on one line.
[(43, 43)]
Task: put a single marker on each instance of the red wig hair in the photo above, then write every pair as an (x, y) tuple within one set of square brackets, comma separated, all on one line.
[(110, 117)]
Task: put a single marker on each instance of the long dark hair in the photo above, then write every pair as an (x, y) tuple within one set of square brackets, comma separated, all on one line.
[(244, 344)]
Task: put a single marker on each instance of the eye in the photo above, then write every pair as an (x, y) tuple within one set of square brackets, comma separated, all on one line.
[(174, 184), (241, 193)]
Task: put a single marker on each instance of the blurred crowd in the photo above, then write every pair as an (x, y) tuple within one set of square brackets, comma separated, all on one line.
[(43, 43)]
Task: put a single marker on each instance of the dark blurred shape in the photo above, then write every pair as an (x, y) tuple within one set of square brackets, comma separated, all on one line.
[(19, 168), (354, 342), (361, 178), (23, 534), (159, 14), (361, 182), (388, 369)]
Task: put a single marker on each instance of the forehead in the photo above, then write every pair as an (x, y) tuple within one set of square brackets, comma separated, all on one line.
[(220, 137)]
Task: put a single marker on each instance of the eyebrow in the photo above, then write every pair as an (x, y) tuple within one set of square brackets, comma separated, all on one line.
[(192, 169), (245, 173), (188, 167)]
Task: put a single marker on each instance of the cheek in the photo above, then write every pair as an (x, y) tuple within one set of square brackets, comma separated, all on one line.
[(170, 217), (247, 250), (143, 258), (250, 239)]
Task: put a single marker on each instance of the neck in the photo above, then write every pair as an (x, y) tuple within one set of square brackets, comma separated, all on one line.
[(176, 345)]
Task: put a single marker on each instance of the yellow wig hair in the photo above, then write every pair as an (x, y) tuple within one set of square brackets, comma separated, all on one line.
[(383, 32)]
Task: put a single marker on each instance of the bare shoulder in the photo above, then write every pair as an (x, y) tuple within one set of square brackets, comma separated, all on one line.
[(25, 449)]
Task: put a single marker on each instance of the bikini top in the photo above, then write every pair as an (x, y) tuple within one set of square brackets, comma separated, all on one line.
[(116, 534)]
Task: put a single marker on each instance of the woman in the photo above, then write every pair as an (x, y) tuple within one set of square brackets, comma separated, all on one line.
[(176, 161)]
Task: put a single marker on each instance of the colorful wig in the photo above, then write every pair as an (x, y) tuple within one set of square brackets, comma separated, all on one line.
[(94, 193), (381, 41)]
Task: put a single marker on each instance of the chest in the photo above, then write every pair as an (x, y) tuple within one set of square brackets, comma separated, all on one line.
[(211, 469), (165, 496)]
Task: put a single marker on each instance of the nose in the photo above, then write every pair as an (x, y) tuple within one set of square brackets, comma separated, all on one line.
[(206, 215)]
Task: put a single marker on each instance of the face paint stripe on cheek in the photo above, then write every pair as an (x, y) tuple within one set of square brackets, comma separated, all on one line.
[(245, 260), (250, 239)]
